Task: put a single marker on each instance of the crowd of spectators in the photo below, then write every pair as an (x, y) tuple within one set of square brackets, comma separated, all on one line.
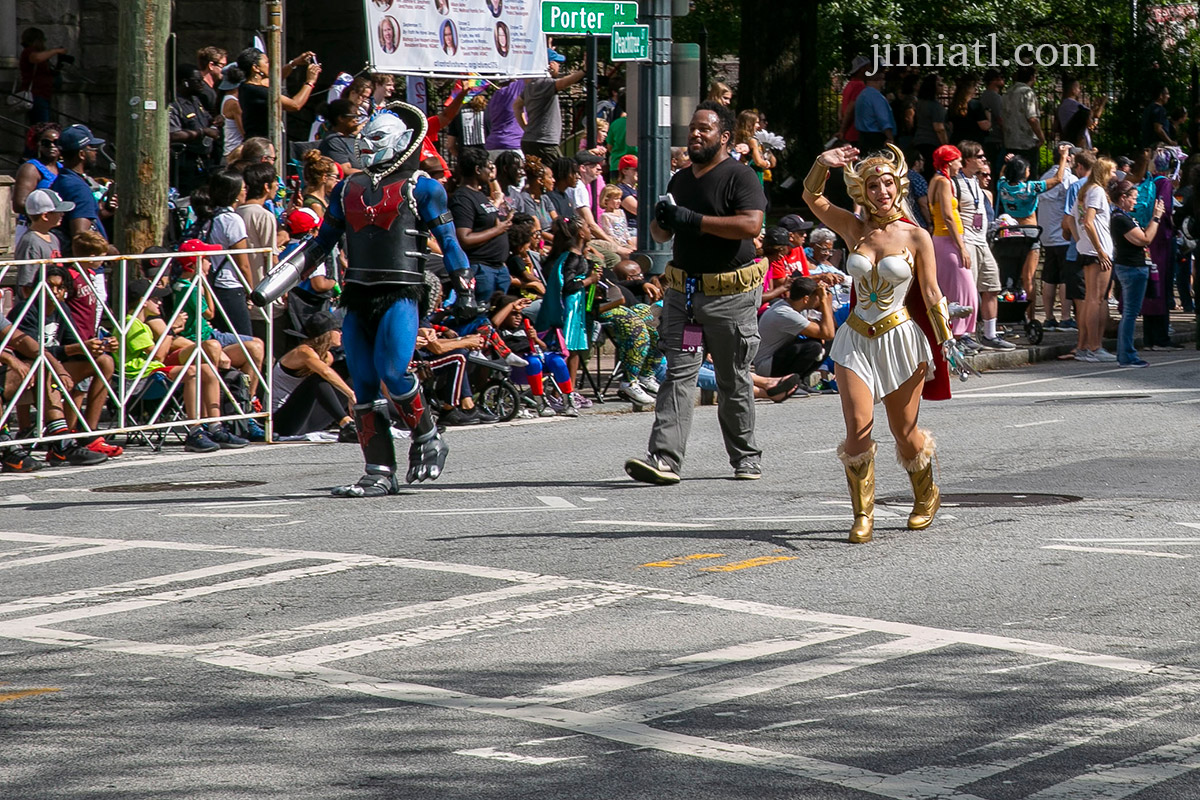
[(551, 238)]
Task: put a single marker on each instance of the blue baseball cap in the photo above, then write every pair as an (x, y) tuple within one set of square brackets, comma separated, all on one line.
[(554, 55), (76, 138)]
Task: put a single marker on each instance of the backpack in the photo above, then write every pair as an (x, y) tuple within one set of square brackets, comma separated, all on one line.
[(1147, 194), (239, 387)]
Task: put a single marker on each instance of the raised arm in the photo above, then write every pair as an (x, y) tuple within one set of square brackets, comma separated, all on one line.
[(843, 223)]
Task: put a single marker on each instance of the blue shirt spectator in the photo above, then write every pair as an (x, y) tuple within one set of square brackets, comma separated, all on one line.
[(1019, 199), (872, 112), (73, 187)]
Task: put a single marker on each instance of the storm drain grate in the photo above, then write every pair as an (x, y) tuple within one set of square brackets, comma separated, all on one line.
[(990, 500)]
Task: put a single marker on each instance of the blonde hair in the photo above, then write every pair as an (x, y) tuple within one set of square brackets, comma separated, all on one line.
[(717, 91), (609, 193), (1100, 175)]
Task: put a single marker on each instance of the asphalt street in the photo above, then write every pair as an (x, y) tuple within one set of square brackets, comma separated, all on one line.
[(536, 625)]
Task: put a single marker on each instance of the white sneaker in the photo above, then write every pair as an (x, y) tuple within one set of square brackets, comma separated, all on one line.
[(1085, 355), (514, 360), (1101, 354), (636, 393), (649, 383)]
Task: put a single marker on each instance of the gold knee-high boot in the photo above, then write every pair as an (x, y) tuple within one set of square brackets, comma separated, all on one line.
[(926, 496), (860, 477)]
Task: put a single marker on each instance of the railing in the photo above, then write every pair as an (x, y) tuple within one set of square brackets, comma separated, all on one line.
[(124, 390)]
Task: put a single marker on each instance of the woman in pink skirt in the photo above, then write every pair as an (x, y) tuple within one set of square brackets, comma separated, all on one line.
[(955, 276)]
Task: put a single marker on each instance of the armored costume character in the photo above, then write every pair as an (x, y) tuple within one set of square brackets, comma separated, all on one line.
[(386, 214), (896, 329)]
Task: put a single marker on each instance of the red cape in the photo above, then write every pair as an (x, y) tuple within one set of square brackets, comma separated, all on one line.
[(939, 387)]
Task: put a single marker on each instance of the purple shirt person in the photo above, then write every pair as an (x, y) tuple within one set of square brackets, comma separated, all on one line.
[(504, 132)]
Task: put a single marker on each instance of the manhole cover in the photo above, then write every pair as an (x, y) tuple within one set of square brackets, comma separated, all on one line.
[(1097, 398), (990, 500), (178, 486)]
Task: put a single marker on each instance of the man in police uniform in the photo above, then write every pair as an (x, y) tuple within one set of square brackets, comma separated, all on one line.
[(714, 211)]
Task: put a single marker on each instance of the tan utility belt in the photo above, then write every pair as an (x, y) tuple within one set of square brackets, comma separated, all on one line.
[(719, 284), (878, 328)]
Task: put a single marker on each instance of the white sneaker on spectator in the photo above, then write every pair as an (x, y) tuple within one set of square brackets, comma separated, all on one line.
[(649, 383), (1085, 355), (635, 393), (1103, 355), (996, 344)]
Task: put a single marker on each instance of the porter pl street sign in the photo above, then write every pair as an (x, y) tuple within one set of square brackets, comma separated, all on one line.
[(631, 43), (581, 17)]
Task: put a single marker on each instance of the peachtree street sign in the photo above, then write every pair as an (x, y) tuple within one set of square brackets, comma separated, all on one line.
[(581, 17), (631, 43)]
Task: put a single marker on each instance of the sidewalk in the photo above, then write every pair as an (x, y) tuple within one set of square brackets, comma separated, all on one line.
[(1055, 344)]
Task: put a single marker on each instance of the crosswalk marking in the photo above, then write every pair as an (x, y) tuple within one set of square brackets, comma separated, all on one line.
[(767, 681), (1063, 734), (626, 723), (603, 684), (1130, 775), (46, 559), (454, 628)]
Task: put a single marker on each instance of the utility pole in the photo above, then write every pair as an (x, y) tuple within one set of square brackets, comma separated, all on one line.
[(142, 147), (654, 123), (274, 32)]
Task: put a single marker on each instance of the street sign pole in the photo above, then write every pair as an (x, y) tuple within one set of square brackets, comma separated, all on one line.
[(591, 90), (654, 118)]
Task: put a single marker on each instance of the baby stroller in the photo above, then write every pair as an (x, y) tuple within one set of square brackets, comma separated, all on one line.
[(1010, 245)]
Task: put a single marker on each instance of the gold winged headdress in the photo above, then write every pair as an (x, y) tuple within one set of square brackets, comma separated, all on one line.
[(890, 161)]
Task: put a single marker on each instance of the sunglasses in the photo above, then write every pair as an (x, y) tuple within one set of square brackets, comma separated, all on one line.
[(48, 142)]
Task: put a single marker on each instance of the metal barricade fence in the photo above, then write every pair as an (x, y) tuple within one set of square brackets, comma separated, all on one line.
[(42, 380)]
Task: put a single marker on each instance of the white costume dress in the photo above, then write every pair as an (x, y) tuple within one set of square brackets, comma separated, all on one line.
[(886, 361)]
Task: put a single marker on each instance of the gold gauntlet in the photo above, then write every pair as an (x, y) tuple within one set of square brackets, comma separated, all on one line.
[(939, 317), (814, 184)]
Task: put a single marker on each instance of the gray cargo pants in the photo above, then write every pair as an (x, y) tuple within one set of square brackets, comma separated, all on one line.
[(731, 336)]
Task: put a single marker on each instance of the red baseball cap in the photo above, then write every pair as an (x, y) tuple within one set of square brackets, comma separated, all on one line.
[(188, 263), (627, 162), (302, 220)]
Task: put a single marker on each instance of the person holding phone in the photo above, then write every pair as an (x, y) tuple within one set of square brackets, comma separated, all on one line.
[(713, 211)]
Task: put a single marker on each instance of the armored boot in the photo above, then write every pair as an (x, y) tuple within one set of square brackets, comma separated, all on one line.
[(375, 438), (860, 477), (428, 451), (926, 496)]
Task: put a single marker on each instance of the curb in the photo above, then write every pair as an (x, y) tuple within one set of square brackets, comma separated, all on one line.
[(1031, 354)]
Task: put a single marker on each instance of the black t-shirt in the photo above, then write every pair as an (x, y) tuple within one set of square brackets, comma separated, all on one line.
[(253, 100), (1125, 252), (341, 149), (967, 125), (562, 204), (724, 190), (473, 209)]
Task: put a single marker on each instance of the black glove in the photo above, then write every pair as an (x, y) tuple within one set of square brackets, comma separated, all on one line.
[(465, 307), (673, 218)]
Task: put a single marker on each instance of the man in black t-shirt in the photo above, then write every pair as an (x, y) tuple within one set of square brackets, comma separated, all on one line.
[(191, 131), (481, 231), (715, 210)]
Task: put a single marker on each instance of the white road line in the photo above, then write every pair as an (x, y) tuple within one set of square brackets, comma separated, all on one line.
[(1064, 734), (1130, 775), (80, 595), (37, 548), (1118, 551), (589, 687), (1182, 540), (769, 680), (454, 628), (1034, 424), (548, 504), (227, 516), (630, 733), (638, 523), (872, 691), (89, 551), (880, 513), (1081, 393), (1109, 372), (376, 618), (491, 752), (135, 603), (1012, 645)]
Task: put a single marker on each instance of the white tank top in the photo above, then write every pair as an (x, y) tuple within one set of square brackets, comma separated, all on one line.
[(233, 137)]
